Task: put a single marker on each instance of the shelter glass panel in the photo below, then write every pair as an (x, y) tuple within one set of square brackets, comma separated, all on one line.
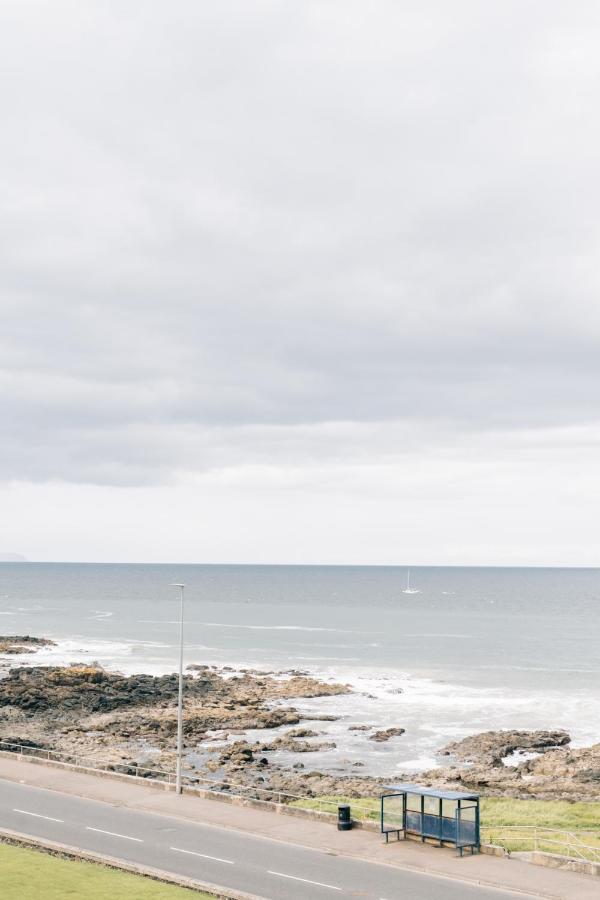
[(467, 833), (432, 806), (413, 821), (393, 813), (449, 808), (413, 802), (432, 826), (449, 829)]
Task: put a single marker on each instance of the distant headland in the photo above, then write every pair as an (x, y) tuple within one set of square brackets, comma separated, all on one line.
[(12, 557)]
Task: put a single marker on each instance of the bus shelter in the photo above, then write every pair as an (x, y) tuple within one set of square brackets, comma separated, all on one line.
[(448, 818)]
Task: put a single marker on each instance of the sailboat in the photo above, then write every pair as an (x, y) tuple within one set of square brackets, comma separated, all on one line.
[(408, 589)]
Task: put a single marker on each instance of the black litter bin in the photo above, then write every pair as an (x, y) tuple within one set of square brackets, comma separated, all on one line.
[(344, 820)]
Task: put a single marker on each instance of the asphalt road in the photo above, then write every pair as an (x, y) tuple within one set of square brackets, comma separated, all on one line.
[(268, 868)]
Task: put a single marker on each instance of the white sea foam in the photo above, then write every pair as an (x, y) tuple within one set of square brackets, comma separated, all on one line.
[(433, 712), (260, 627), (283, 628), (475, 664), (328, 658), (436, 634)]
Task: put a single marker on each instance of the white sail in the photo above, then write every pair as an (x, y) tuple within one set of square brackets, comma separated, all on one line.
[(408, 589)]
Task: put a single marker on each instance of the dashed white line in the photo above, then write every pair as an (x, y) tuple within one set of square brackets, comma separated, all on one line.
[(229, 862), (125, 837), (25, 812), (305, 880)]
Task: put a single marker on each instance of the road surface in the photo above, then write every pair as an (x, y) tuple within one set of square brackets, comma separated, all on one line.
[(268, 868)]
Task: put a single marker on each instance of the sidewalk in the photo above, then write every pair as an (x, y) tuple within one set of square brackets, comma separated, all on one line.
[(508, 874)]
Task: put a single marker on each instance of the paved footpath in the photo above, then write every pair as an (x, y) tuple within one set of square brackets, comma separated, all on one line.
[(504, 874)]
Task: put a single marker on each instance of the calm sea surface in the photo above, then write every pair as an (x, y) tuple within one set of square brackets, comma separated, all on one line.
[(476, 648)]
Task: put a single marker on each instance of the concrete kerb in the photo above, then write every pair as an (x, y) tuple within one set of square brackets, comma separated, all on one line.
[(65, 851), (555, 861), (327, 818), (55, 848), (206, 794), (86, 770)]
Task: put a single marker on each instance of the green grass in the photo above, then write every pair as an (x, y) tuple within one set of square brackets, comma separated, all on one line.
[(32, 875), (543, 813), (362, 808), (582, 819), (579, 819), (494, 811)]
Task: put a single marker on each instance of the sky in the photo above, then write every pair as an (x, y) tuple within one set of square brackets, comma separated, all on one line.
[(300, 282)]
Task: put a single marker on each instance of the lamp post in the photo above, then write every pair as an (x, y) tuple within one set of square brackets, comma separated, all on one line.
[(180, 698)]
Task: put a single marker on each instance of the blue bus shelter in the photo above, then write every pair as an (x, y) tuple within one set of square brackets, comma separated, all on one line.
[(444, 817)]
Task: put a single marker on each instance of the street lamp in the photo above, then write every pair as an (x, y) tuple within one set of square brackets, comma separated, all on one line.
[(180, 699)]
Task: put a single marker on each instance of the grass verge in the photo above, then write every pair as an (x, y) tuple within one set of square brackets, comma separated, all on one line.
[(500, 817), (494, 811), (31, 874)]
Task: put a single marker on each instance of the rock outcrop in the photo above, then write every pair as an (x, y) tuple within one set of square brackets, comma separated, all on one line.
[(85, 710), (494, 746), (386, 734), (13, 644), (556, 772), (130, 721)]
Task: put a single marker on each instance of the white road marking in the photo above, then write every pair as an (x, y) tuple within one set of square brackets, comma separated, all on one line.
[(125, 837), (305, 880), (229, 862), (24, 812)]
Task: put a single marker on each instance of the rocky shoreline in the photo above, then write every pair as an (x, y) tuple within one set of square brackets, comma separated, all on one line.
[(16, 644), (129, 722)]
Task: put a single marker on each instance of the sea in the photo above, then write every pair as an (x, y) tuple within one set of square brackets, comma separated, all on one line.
[(475, 649)]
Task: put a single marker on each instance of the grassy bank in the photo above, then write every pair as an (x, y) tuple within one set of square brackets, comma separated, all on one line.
[(501, 818), (30, 874), (543, 813), (494, 811)]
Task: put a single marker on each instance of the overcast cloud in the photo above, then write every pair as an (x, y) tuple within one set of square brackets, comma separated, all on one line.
[(251, 249)]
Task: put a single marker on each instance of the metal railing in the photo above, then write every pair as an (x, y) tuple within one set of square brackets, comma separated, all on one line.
[(584, 844), (513, 838), (86, 762), (192, 781)]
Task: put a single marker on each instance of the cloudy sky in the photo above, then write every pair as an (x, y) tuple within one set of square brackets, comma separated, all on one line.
[(300, 281)]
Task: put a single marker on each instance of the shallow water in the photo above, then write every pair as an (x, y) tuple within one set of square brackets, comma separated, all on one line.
[(474, 649)]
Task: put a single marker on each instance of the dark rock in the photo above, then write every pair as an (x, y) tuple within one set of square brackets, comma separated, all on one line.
[(493, 746), (15, 644), (13, 744), (588, 775), (301, 733), (386, 734)]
